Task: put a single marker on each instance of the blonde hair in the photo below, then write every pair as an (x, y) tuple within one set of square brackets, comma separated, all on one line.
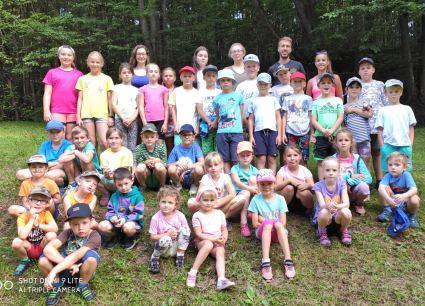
[(285, 38), (329, 160), (236, 45), (397, 156), (78, 130), (96, 53), (168, 191), (70, 49), (349, 134), (212, 156), (153, 64), (292, 147)]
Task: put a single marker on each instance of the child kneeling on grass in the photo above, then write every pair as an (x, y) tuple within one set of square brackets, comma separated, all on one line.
[(124, 218), (74, 251), (36, 228), (168, 229), (269, 218)]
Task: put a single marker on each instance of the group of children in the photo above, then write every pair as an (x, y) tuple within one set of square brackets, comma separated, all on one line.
[(217, 133)]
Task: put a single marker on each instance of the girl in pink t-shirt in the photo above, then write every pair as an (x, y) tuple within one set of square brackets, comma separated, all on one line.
[(153, 101), (295, 181), (60, 96), (168, 79), (323, 64)]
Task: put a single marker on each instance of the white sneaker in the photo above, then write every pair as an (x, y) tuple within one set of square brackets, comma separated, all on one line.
[(193, 190), (225, 283)]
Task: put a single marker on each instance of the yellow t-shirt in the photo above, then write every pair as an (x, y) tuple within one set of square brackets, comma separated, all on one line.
[(114, 160), (27, 186), (87, 200), (36, 234), (95, 95)]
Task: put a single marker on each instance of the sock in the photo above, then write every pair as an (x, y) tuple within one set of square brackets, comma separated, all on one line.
[(221, 279), (81, 284), (264, 260), (193, 271), (25, 259), (180, 253), (321, 229)]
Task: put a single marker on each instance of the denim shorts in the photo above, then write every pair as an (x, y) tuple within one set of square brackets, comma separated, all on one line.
[(265, 142), (227, 144)]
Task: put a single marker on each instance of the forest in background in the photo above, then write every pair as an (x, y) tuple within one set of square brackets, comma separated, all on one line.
[(392, 32)]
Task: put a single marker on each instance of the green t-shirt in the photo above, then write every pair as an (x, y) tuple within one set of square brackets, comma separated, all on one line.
[(159, 151), (326, 110)]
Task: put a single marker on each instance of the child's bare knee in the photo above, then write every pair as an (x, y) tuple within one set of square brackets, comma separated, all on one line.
[(172, 170), (141, 168), (414, 201), (129, 228), (160, 167), (199, 170), (50, 236), (345, 214), (90, 261), (43, 262), (268, 227), (105, 226), (17, 243)]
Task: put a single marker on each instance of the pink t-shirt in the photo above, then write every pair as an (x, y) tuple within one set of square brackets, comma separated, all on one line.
[(302, 175), (154, 102), (315, 90), (64, 95), (346, 165), (160, 225), (210, 223)]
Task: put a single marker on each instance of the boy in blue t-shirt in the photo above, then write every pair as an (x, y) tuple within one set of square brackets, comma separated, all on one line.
[(52, 149), (186, 161), (229, 109), (398, 188)]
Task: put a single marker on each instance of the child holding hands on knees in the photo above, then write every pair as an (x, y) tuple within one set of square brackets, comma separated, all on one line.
[(168, 229), (269, 219), (332, 204), (294, 181), (353, 170), (209, 225)]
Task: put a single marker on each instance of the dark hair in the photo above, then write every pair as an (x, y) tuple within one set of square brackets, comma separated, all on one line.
[(133, 61), (122, 173), (292, 147), (199, 49), (124, 66), (168, 191)]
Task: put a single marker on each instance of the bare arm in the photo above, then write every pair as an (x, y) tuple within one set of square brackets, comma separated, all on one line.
[(284, 120), (79, 106), (200, 111), (50, 227), (309, 90), (47, 96), (338, 87), (141, 106), (231, 193), (338, 122), (279, 128), (411, 134)]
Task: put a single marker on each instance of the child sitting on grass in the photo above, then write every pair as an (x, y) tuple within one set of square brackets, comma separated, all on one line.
[(209, 225), (36, 228), (37, 165), (75, 249), (168, 229), (151, 159), (269, 219), (124, 218), (398, 188)]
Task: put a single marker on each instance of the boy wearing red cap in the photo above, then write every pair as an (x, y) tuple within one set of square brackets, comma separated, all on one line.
[(296, 118), (183, 101)]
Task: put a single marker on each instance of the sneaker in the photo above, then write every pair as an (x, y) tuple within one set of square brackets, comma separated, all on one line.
[(384, 216), (191, 280), (193, 190), (128, 242), (53, 296), (359, 209), (22, 266), (346, 237), (266, 271), (413, 221), (224, 283), (111, 242), (179, 261), (288, 264), (154, 265), (86, 292), (245, 231), (323, 237)]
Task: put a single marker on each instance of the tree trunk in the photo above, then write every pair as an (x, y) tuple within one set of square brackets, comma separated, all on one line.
[(13, 99), (153, 17), (263, 17), (303, 16), (164, 23), (144, 24), (410, 89)]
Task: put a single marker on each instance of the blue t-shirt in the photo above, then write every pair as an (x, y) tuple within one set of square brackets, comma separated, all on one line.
[(243, 175), (186, 155), (52, 155), (399, 184), (268, 210), (229, 112), (88, 147), (139, 81)]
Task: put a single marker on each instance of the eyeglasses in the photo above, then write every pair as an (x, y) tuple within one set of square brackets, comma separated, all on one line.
[(186, 135), (38, 201), (237, 51)]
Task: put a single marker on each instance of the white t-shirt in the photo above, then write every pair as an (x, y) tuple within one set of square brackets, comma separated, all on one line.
[(127, 99), (297, 114), (264, 111), (247, 89), (219, 185), (207, 97), (209, 223), (185, 102), (200, 80), (396, 121), (281, 91)]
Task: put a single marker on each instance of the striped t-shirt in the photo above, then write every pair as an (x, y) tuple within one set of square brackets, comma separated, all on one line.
[(357, 124)]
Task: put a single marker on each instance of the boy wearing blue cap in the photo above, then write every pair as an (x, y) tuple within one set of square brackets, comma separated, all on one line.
[(51, 149)]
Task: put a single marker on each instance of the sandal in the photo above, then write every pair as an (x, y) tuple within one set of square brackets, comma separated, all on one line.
[(288, 264)]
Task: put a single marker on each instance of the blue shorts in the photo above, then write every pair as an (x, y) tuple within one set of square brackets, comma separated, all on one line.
[(187, 179), (387, 149), (265, 142), (227, 144)]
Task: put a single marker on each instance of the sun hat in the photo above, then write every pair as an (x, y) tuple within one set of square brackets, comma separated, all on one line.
[(266, 175), (393, 82), (204, 189), (244, 146), (280, 68), (226, 73)]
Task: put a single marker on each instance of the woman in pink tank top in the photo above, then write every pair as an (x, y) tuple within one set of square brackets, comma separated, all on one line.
[(323, 64)]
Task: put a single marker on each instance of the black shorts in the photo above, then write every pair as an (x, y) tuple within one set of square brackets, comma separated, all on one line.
[(158, 125), (323, 148)]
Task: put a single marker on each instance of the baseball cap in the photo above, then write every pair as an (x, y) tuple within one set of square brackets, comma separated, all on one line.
[(265, 175), (204, 189), (226, 73), (325, 75), (251, 58), (186, 128), (298, 75), (353, 80), (244, 146), (280, 68), (188, 69), (150, 127), (40, 190), (393, 82), (54, 125), (37, 159), (264, 77), (78, 210), (91, 174), (211, 68), (367, 59)]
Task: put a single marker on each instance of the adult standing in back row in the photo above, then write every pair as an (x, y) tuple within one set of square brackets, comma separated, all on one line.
[(139, 59), (284, 48), (236, 53)]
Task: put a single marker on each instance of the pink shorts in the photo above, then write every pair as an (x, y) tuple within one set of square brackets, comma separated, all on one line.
[(259, 231), (65, 118)]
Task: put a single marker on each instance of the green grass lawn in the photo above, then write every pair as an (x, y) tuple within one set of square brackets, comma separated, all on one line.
[(374, 270)]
